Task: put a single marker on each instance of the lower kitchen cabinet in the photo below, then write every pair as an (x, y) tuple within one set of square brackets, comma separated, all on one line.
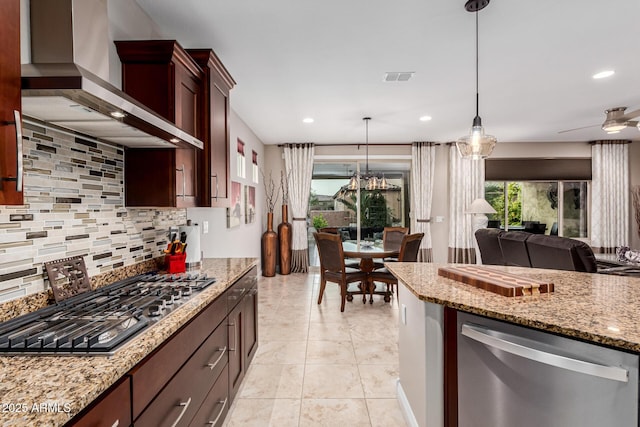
[(216, 404), (112, 409)]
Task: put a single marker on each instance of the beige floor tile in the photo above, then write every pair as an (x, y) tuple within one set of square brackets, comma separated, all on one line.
[(329, 331), (264, 412), (273, 330), (385, 413), (281, 352), (273, 381), (334, 413), (376, 353), (379, 381), (330, 353), (332, 381)]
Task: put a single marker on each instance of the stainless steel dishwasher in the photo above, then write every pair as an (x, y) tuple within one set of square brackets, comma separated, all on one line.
[(512, 376)]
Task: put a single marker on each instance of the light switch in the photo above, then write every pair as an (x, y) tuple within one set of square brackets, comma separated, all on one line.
[(205, 227)]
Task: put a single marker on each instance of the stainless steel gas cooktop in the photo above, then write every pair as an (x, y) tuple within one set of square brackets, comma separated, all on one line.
[(99, 322)]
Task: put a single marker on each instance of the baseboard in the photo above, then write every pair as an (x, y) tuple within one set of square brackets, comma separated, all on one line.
[(405, 406)]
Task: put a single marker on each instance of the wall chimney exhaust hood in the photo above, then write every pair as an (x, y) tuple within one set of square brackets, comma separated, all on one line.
[(57, 91)]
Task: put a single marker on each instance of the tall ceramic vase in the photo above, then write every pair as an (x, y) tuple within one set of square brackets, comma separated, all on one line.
[(284, 236), (269, 248)]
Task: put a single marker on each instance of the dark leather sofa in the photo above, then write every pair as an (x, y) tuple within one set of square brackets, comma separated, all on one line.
[(523, 249)]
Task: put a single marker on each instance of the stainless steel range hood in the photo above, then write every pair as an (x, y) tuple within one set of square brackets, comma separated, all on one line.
[(56, 90)]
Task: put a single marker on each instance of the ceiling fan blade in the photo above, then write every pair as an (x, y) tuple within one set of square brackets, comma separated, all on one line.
[(632, 114), (583, 127)]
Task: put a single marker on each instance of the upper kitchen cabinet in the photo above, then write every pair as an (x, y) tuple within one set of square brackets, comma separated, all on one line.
[(161, 75), (10, 107), (215, 174)]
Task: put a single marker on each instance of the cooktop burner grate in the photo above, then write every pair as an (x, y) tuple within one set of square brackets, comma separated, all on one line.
[(99, 322)]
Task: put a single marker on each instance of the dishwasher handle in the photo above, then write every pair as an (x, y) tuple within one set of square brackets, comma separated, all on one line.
[(481, 334)]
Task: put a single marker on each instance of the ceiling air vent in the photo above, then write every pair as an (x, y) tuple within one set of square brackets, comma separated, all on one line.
[(398, 76)]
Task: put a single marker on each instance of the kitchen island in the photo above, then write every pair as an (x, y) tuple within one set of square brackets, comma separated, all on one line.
[(51, 390), (593, 308)]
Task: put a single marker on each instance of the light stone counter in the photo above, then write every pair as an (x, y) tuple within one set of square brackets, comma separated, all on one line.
[(599, 308), (73, 382)]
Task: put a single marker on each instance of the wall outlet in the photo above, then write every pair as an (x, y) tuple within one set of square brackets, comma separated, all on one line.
[(439, 219), (205, 227)]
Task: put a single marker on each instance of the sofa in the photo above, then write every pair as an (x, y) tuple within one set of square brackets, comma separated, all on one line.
[(520, 248)]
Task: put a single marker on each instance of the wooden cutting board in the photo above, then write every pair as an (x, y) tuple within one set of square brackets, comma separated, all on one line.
[(506, 284)]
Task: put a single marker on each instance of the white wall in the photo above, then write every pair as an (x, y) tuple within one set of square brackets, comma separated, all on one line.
[(243, 240)]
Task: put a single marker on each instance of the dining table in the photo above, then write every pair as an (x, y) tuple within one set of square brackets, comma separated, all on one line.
[(367, 252)]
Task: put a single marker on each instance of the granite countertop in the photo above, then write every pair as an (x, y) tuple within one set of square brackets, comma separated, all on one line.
[(72, 382), (598, 308)]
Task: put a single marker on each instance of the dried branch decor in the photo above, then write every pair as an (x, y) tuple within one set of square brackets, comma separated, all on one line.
[(635, 192), (284, 184), (270, 190)]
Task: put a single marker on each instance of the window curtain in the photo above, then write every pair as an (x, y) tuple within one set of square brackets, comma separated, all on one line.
[(466, 183), (423, 156), (298, 160), (609, 195)]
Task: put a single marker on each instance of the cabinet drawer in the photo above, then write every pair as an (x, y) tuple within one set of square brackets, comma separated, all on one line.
[(151, 375), (113, 408), (241, 287), (216, 404), (178, 402)]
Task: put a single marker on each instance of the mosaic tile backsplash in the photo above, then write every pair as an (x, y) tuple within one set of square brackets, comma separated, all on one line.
[(74, 205)]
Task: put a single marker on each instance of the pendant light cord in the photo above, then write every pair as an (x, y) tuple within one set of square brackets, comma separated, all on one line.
[(477, 61)]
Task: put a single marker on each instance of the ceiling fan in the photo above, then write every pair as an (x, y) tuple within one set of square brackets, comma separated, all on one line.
[(616, 120)]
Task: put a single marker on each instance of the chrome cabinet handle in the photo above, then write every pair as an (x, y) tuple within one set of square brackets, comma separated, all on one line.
[(233, 325), (480, 334), (223, 403), (222, 351), (16, 115), (215, 175), (116, 423), (184, 183), (185, 405)]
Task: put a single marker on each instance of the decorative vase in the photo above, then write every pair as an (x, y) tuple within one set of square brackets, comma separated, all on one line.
[(284, 236), (269, 248)]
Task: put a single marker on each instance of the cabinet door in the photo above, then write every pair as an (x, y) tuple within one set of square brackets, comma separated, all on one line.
[(113, 408), (216, 405), (10, 140), (236, 350), (186, 173), (219, 147), (250, 303)]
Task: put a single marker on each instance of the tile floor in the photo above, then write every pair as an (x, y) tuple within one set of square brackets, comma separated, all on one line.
[(316, 366)]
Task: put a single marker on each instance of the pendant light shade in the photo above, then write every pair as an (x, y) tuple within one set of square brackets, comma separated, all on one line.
[(370, 180), (476, 145)]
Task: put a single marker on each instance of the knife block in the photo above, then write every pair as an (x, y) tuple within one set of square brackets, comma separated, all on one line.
[(175, 263)]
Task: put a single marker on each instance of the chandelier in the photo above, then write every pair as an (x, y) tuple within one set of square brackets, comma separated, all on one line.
[(476, 145), (371, 180)]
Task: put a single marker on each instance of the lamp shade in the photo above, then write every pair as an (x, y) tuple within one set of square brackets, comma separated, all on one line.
[(476, 145), (480, 206)]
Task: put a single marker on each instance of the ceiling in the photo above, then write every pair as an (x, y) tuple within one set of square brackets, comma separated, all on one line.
[(326, 60)]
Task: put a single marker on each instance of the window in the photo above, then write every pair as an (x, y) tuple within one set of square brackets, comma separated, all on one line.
[(549, 207), (241, 168), (254, 161)]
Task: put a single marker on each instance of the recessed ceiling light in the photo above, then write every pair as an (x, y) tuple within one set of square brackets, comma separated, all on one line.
[(307, 120), (425, 118), (604, 74), (174, 140), (117, 114)]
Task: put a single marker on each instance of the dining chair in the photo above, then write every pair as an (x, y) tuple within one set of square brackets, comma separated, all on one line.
[(391, 241), (332, 266), (409, 248)]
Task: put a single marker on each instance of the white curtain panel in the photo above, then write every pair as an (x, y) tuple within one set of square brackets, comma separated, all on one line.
[(609, 195), (466, 183), (423, 156), (298, 160)]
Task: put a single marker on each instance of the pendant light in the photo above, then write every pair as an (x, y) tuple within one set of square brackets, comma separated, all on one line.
[(476, 145), (372, 182)]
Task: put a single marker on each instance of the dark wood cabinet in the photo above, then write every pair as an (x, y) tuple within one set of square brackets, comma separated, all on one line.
[(161, 75), (217, 83), (113, 408), (10, 105)]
